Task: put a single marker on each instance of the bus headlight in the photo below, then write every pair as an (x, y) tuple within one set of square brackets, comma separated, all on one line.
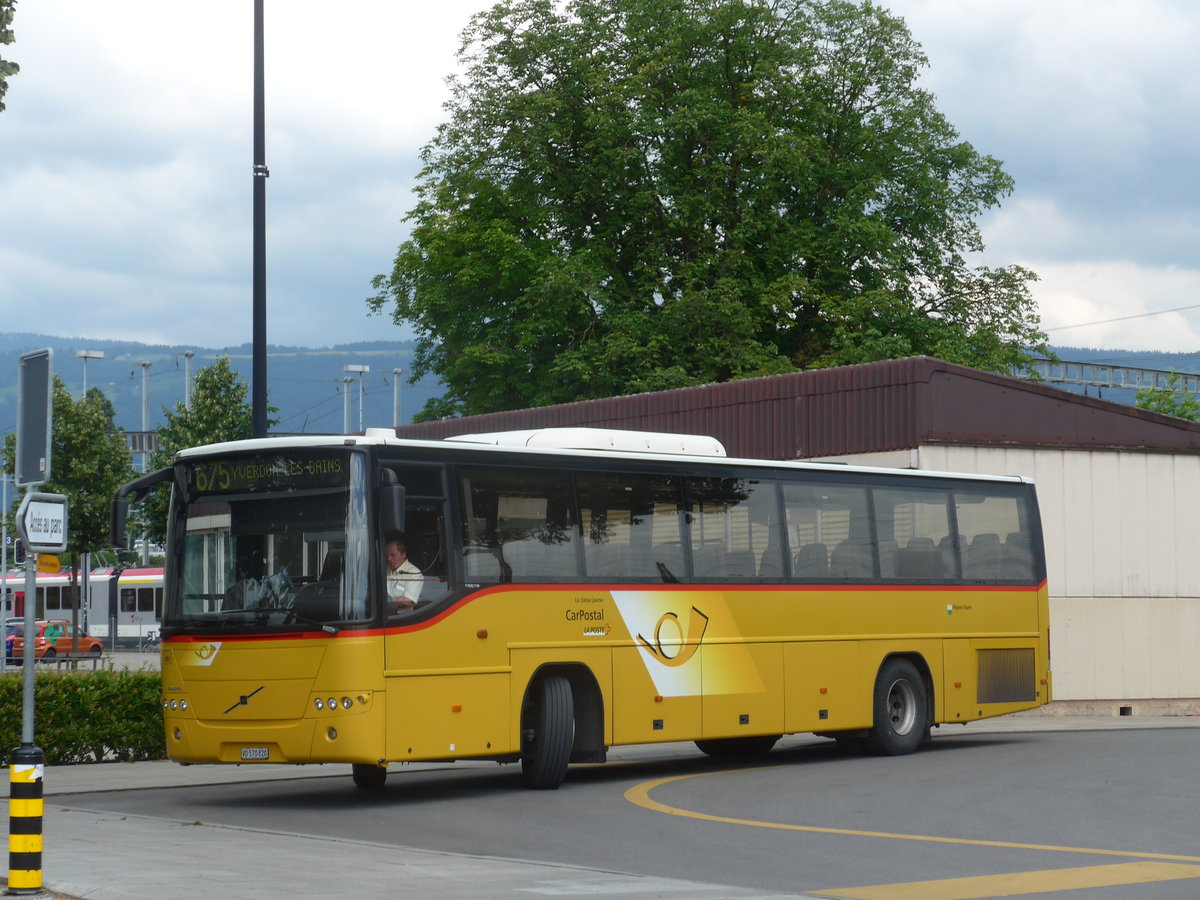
[(319, 704), (347, 703)]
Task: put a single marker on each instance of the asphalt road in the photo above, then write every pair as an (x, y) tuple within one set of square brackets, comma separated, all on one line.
[(1095, 815)]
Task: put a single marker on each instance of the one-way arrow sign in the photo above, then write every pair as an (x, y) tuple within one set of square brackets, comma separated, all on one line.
[(42, 522)]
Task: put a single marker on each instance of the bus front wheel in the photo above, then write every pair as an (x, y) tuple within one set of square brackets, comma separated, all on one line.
[(901, 709), (548, 733), (369, 777)]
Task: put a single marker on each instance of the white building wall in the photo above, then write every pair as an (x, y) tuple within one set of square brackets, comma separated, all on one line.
[(1122, 534)]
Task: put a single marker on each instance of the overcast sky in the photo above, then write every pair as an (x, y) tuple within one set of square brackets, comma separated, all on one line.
[(125, 160)]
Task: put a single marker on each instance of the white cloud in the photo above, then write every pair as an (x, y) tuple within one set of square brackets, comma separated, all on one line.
[(127, 158), (1125, 300)]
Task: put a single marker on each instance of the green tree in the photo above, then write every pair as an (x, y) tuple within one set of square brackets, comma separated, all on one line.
[(219, 412), (1173, 399), (647, 194), (89, 461), (7, 10)]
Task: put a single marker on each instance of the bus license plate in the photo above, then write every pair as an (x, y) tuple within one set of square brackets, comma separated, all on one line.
[(254, 753)]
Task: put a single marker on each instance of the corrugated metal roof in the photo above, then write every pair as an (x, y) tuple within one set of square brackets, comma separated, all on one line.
[(893, 405)]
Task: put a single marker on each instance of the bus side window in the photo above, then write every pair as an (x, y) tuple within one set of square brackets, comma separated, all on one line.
[(829, 518), (731, 523), (633, 526), (910, 522), (519, 526), (996, 544)]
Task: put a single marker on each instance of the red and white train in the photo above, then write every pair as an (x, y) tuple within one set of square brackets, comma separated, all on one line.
[(131, 601)]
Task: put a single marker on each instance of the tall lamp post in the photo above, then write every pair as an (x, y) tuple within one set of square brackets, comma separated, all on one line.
[(85, 355), (258, 390), (396, 373), (357, 370), (187, 355), (85, 558)]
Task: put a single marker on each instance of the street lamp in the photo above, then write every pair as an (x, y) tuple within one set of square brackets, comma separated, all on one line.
[(85, 355), (357, 370), (187, 378), (396, 373)]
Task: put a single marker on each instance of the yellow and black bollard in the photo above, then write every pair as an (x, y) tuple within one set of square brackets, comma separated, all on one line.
[(25, 821)]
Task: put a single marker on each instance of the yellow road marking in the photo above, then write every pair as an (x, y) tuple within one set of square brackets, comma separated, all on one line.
[(1016, 884), (639, 795)]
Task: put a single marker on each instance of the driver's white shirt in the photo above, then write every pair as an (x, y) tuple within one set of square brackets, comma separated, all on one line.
[(405, 582)]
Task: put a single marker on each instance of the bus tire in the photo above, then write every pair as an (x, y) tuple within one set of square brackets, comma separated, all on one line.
[(49, 654), (548, 733), (901, 709), (734, 748), (369, 777)]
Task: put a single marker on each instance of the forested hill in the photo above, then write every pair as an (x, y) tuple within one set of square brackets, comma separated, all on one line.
[(305, 384)]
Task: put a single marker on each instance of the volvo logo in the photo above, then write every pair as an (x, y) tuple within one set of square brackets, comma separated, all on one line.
[(244, 700)]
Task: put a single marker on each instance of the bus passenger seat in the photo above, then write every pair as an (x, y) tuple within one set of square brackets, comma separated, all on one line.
[(851, 559), (333, 566), (605, 559), (983, 557), (708, 559), (1017, 556), (740, 564), (812, 561)]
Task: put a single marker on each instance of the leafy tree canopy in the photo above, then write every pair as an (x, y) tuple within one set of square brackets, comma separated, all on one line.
[(7, 10), (1173, 399), (219, 412), (89, 461), (648, 194)]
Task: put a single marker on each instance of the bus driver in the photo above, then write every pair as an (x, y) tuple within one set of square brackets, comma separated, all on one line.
[(404, 580)]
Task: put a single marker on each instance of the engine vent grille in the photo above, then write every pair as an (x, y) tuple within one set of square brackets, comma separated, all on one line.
[(1007, 676)]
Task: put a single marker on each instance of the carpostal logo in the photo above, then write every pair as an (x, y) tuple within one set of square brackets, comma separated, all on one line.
[(669, 629), (673, 645)]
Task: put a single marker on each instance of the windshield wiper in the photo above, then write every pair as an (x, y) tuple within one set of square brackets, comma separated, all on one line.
[(291, 612)]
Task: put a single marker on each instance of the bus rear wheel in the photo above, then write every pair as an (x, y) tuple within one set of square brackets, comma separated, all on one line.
[(369, 777), (548, 733), (901, 708), (734, 748)]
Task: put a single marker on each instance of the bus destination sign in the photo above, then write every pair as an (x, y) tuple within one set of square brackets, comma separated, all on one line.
[(277, 472)]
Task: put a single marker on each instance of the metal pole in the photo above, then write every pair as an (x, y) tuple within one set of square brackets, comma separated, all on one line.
[(187, 379), (346, 405), (145, 411), (27, 659), (396, 373), (259, 386)]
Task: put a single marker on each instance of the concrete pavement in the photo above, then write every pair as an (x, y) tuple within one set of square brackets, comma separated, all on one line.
[(96, 855)]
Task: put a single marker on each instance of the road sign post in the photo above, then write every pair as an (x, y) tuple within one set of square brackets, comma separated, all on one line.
[(42, 525)]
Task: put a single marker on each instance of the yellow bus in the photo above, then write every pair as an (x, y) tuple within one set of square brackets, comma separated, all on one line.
[(579, 589)]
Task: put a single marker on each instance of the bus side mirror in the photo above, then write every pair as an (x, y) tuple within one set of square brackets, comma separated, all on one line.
[(391, 503), (135, 490)]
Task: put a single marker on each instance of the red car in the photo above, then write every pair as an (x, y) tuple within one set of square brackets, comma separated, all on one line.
[(53, 638)]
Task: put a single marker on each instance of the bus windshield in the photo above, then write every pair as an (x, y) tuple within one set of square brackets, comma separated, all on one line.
[(264, 540)]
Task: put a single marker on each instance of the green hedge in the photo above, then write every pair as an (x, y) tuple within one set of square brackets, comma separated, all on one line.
[(84, 717)]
